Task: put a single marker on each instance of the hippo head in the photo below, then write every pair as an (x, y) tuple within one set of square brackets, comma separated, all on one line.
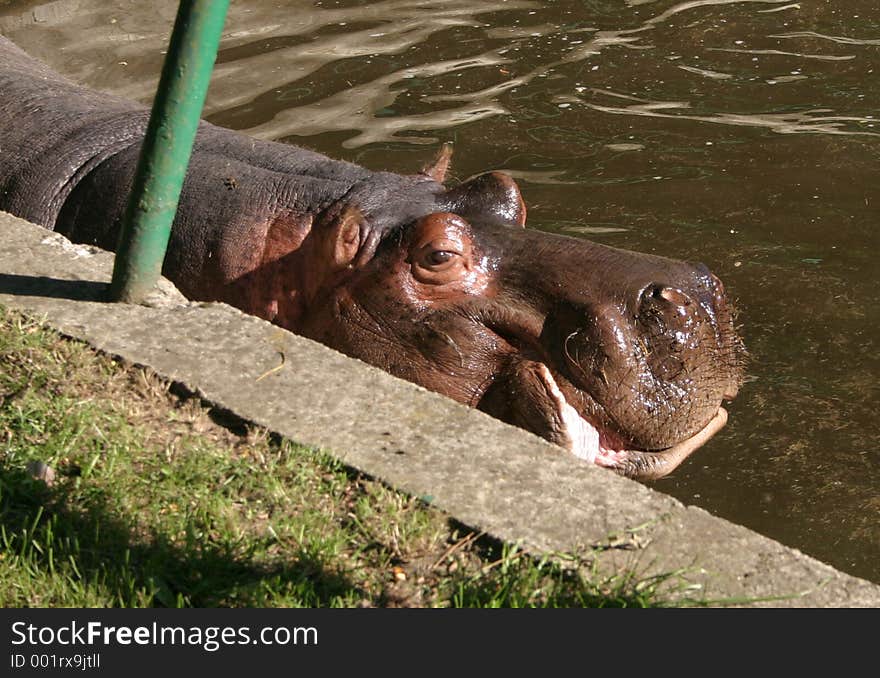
[(622, 358)]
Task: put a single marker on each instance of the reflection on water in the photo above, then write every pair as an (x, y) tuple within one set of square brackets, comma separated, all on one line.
[(833, 38), (742, 133), (785, 123)]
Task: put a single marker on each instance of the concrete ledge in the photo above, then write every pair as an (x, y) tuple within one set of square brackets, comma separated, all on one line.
[(486, 474)]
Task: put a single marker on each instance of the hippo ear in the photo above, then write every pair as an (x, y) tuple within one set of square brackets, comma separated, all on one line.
[(438, 167), (345, 238), (493, 197), (349, 243)]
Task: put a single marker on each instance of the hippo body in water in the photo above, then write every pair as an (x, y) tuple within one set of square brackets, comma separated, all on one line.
[(622, 358)]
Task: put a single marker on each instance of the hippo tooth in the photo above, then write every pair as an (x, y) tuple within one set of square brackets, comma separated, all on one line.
[(581, 437)]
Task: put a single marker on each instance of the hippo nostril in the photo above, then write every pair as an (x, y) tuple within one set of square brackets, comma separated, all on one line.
[(662, 295), (675, 297)]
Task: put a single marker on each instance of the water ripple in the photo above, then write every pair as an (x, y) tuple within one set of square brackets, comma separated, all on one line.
[(777, 52), (813, 121), (833, 38)]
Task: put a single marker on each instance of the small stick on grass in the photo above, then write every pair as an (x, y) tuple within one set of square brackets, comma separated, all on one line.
[(473, 536)]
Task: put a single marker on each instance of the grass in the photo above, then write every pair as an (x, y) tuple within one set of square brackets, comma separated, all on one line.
[(158, 499)]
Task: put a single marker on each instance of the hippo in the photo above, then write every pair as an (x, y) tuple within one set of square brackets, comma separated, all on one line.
[(625, 359)]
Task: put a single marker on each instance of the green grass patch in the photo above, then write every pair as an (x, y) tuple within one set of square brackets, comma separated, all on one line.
[(119, 490)]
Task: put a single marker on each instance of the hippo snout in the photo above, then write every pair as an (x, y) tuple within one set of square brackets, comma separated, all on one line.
[(638, 353)]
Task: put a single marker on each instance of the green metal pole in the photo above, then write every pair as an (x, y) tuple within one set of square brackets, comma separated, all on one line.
[(167, 147)]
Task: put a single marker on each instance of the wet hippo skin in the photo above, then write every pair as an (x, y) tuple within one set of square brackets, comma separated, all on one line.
[(620, 357)]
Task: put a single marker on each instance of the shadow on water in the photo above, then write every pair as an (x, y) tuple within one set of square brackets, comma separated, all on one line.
[(740, 133)]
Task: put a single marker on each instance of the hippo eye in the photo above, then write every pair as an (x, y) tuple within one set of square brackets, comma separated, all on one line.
[(440, 260), (440, 257)]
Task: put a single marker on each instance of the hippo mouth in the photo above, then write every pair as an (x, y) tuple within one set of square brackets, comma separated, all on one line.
[(587, 442)]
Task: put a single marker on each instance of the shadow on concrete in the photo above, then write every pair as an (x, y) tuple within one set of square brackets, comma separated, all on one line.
[(55, 288)]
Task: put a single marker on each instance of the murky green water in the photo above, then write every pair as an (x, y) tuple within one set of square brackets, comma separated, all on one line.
[(743, 134)]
